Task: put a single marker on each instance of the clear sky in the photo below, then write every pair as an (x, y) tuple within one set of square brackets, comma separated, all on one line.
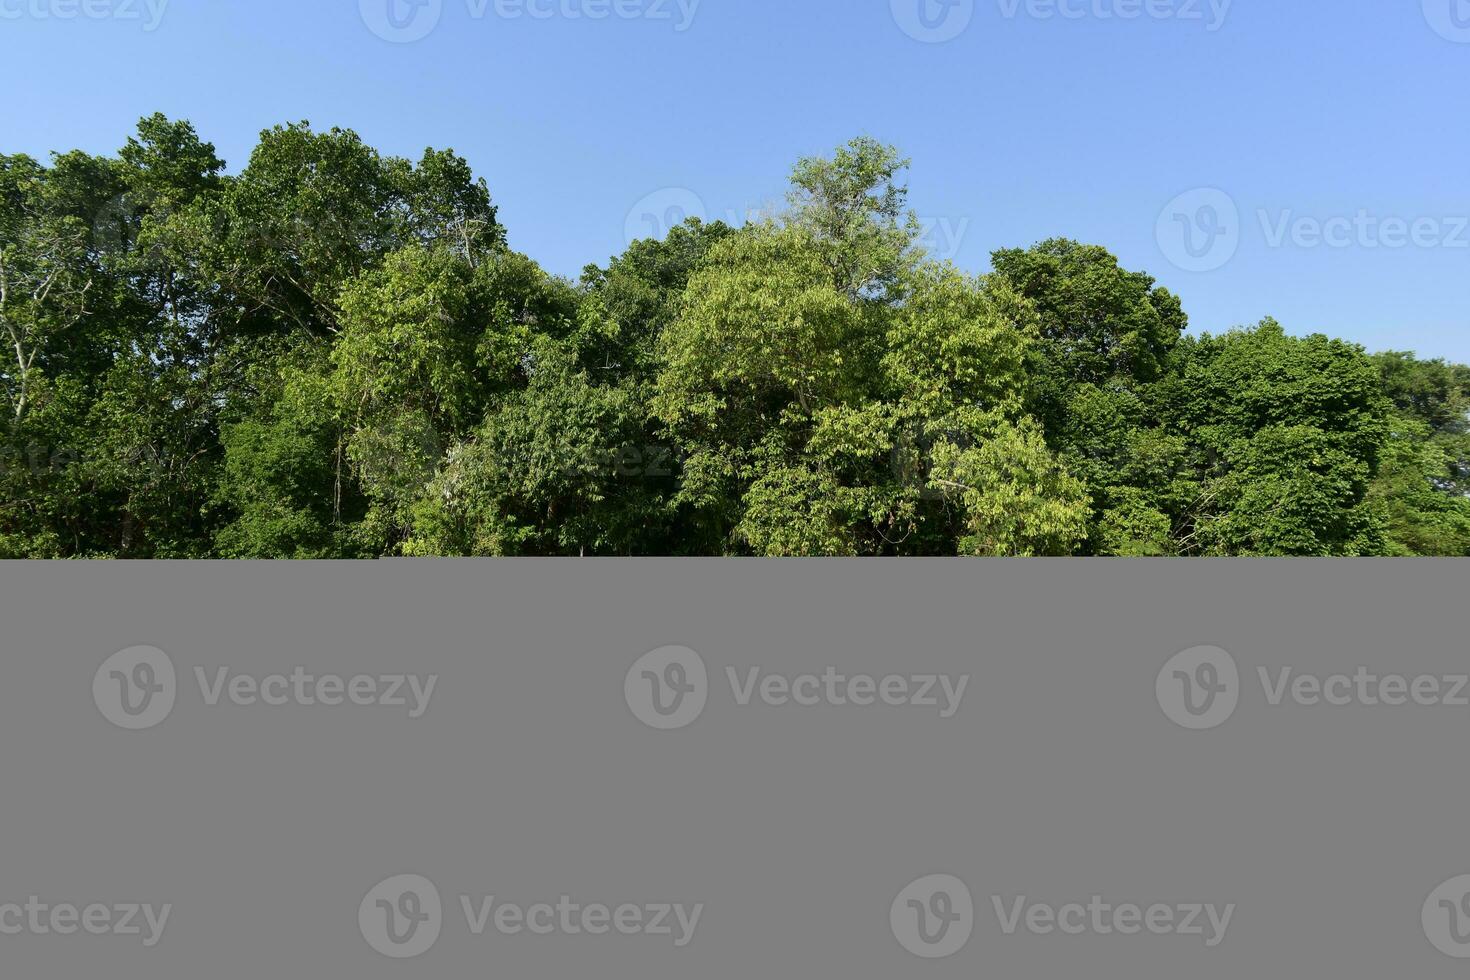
[(1321, 147)]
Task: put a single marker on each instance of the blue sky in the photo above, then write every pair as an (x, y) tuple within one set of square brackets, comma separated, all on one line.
[(1313, 151)]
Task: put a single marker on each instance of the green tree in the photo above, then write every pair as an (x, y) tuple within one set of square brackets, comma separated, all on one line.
[(1287, 434), (1107, 336), (334, 354)]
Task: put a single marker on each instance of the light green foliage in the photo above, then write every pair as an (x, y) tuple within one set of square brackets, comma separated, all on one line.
[(853, 213), (1018, 500), (761, 325), (798, 513), (956, 343), (819, 370)]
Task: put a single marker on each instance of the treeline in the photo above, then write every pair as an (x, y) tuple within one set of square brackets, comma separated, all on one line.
[(335, 354)]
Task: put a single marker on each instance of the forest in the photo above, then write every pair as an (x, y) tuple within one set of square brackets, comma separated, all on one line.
[(334, 354)]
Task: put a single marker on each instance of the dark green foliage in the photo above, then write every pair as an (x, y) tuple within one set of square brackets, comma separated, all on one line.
[(334, 354)]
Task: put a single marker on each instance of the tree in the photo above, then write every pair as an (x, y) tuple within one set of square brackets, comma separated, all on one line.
[(45, 281), (1419, 493), (854, 214), (1107, 335), (1287, 434), (334, 354), (1099, 322), (1019, 502)]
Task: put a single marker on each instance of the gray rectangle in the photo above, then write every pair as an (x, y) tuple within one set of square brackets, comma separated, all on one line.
[(804, 825)]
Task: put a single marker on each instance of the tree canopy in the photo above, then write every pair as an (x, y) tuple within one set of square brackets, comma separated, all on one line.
[(335, 354)]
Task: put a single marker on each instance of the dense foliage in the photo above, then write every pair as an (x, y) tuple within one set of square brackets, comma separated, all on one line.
[(335, 354)]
